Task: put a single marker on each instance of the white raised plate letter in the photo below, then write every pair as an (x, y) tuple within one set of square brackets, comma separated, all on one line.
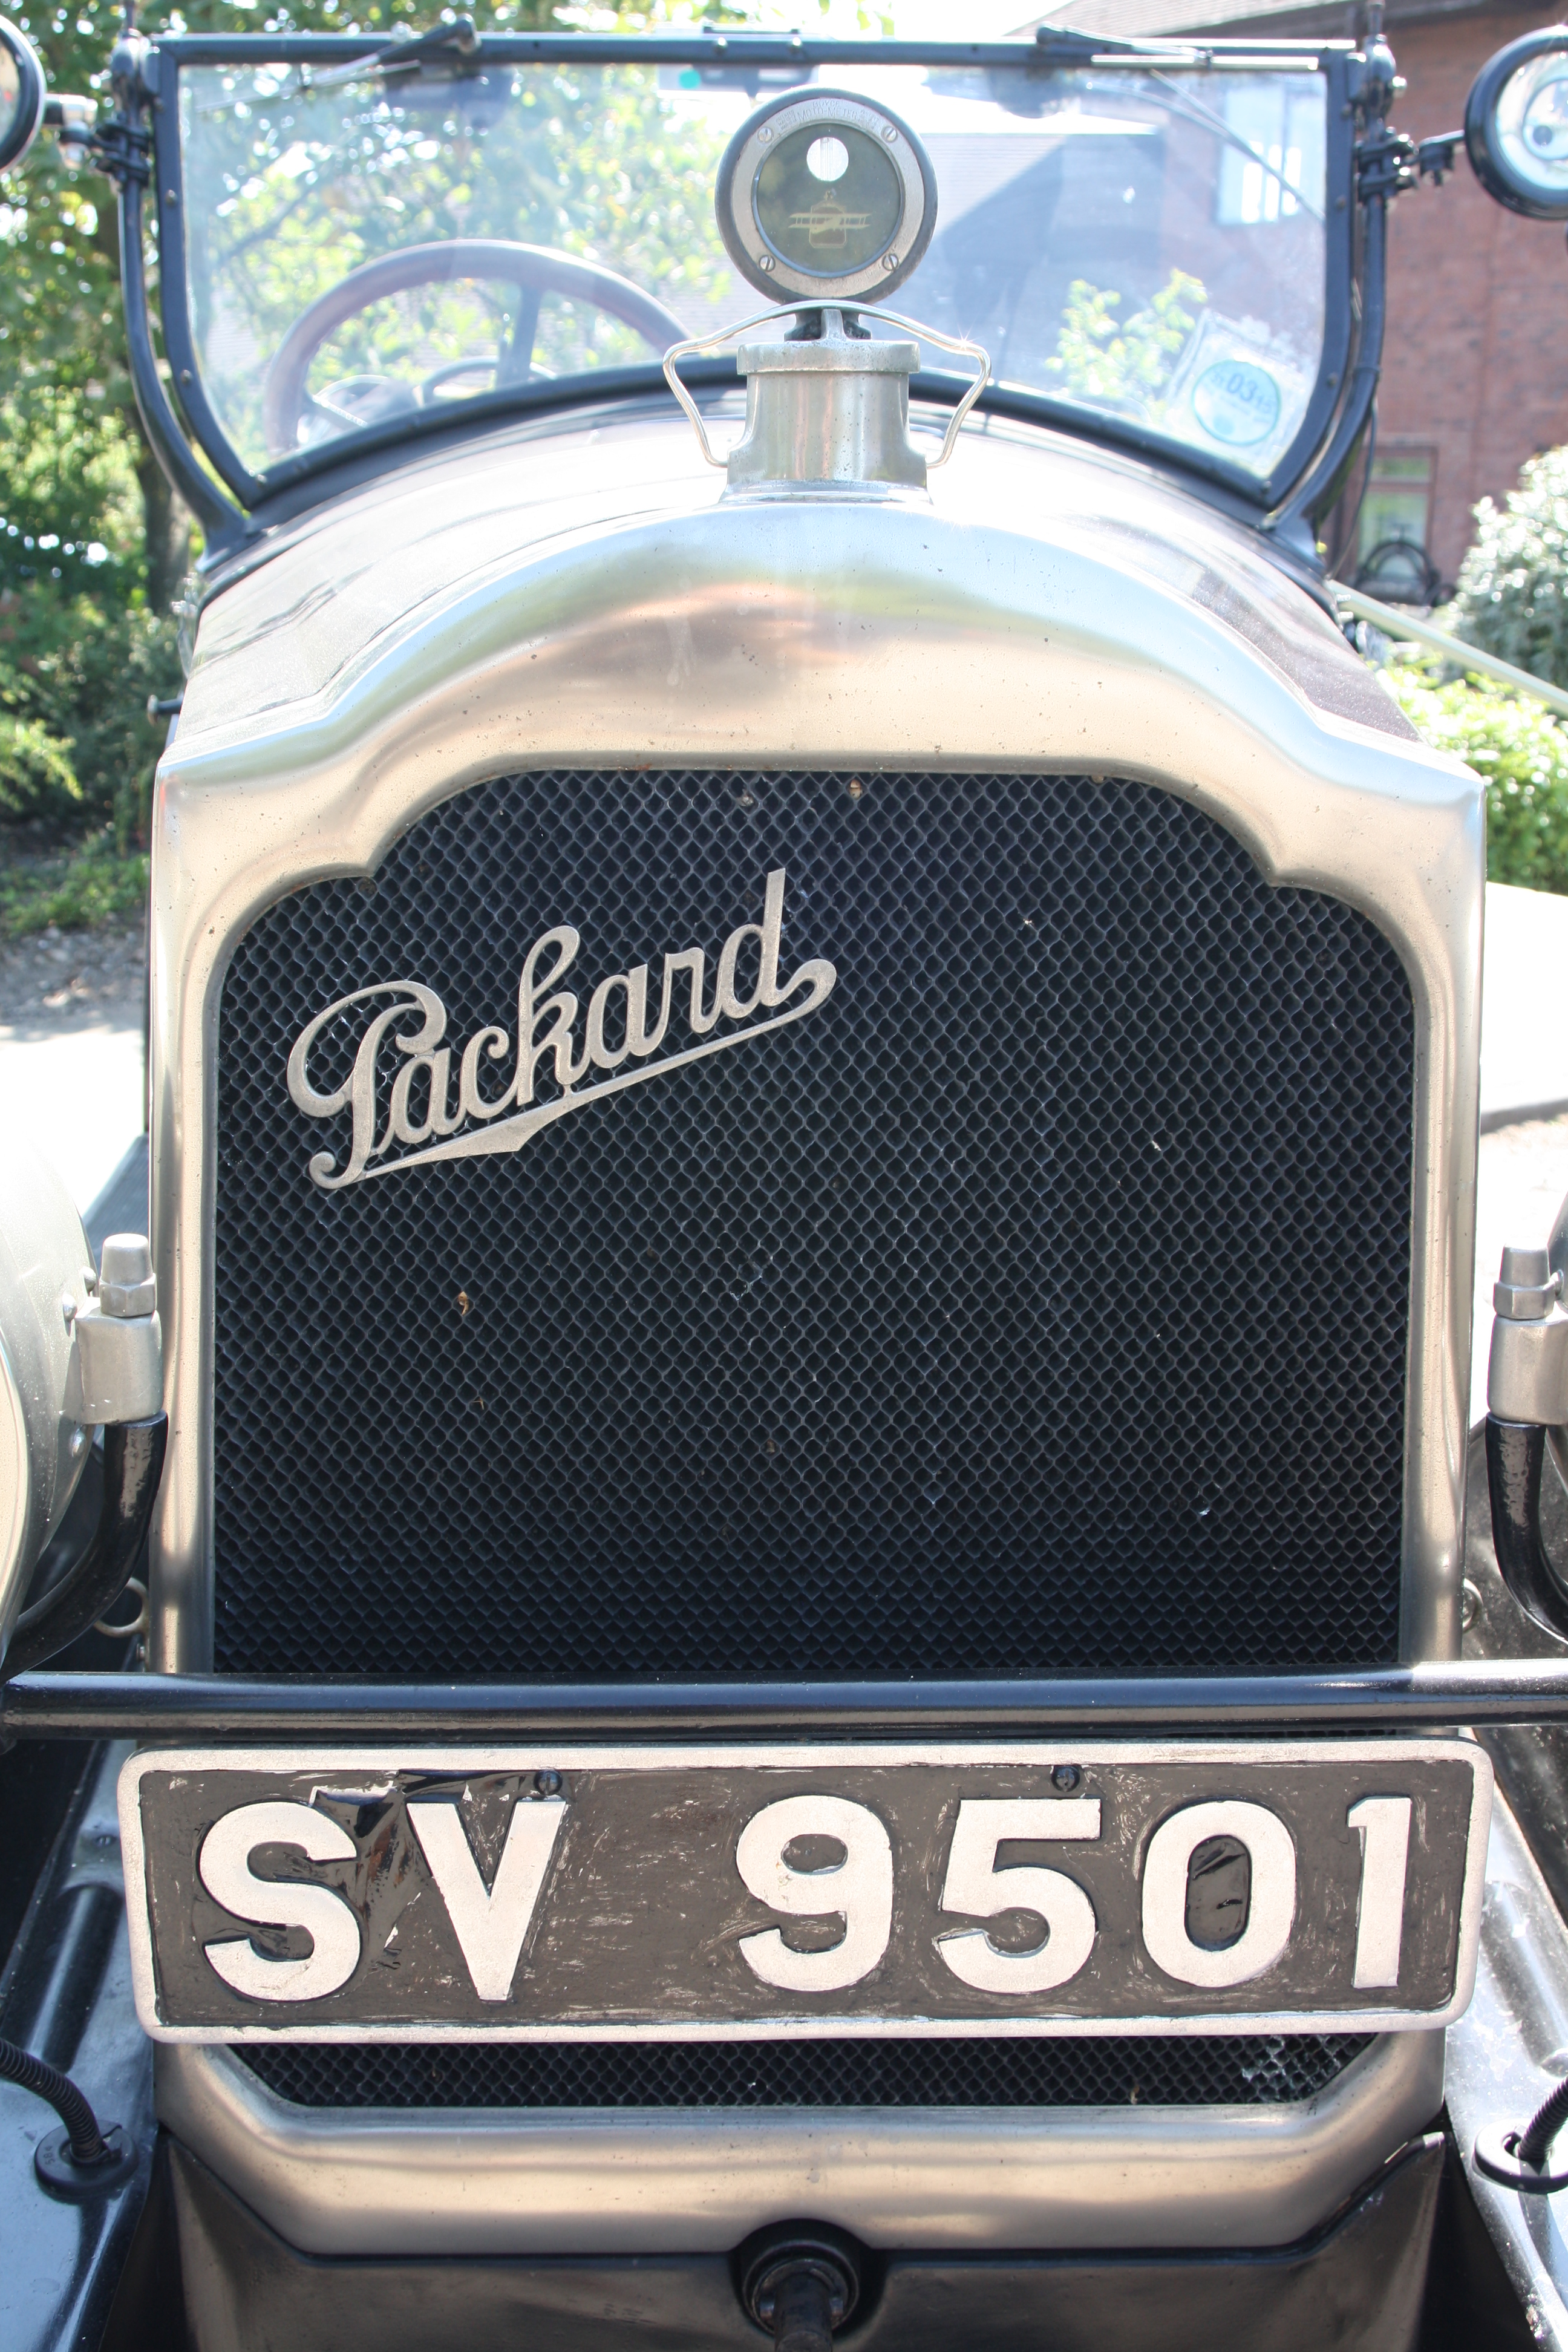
[(975, 1885), (489, 1922), (224, 1866), (1271, 1911), (1383, 1824), (859, 1887)]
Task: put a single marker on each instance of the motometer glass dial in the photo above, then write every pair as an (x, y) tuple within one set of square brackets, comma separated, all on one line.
[(823, 194)]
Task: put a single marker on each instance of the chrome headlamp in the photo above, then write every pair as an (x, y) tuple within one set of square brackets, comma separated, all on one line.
[(21, 94), (1516, 125)]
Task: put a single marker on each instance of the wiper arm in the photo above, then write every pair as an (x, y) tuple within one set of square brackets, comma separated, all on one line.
[(453, 45), (1063, 44), (461, 38)]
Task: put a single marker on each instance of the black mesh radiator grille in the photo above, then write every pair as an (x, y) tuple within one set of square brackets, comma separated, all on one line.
[(1037, 1303), (1230, 2070)]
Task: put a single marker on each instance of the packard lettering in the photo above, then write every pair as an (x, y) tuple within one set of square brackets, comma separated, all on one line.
[(417, 1120)]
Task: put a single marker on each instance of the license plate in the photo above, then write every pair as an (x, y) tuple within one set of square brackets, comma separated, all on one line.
[(699, 1894)]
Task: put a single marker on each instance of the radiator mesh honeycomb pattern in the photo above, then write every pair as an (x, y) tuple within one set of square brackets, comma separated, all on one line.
[(1234, 2070), (1038, 1304)]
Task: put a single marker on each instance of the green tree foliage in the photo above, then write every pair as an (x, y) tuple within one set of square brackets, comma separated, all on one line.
[(1519, 750), (92, 544), (1513, 594), (290, 189), (1125, 366)]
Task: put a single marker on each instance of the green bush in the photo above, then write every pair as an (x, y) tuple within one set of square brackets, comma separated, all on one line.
[(71, 888), (92, 546), (76, 671), (36, 774), (1512, 593), (82, 641), (1517, 748)]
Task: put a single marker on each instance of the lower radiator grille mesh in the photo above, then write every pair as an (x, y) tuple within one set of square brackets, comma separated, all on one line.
[(1228, 2070), (1038, 1303)]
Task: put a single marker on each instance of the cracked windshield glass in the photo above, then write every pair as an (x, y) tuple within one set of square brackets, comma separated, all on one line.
[(367, 246)]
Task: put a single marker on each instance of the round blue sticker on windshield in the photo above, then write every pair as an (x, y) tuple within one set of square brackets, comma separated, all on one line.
[(1236, 402)]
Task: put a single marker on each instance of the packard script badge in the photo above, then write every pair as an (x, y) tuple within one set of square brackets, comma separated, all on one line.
[(404, 1041)]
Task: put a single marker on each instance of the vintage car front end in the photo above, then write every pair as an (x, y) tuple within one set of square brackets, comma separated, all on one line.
[(796, 1382), (813, 1153)]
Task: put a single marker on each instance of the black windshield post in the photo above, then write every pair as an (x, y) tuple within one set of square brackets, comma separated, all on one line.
[(1379, 171), (1317, 494), (125, 156)]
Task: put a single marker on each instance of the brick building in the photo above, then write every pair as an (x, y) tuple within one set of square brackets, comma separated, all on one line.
[(1475, 360)]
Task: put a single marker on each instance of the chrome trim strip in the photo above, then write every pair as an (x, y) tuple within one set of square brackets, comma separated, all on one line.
[(478, 2181), (624, 620), (1506, 2056)]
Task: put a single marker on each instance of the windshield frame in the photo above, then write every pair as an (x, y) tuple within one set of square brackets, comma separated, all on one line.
[(305, 477)]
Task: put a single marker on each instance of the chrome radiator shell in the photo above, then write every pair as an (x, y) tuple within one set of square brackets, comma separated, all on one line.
[(1043, 613)]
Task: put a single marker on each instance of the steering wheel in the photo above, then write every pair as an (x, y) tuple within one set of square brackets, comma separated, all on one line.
[(535, 269)]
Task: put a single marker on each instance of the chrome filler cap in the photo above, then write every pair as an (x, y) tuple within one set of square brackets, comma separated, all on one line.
[(827, 409)]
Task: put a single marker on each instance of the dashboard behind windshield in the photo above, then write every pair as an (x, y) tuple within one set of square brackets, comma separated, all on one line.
[(1145, 246)]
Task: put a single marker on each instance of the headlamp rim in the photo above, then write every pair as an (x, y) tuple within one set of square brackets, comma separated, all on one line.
[(1483, 140), (31, 93)]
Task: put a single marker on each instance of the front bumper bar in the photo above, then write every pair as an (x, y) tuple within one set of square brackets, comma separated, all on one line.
[(46, 1706)]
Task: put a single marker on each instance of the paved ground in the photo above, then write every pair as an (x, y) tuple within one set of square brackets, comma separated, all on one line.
[(71, 1010), (1524, 1033), (71, 1051)]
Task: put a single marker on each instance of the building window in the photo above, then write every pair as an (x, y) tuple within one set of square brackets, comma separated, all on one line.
[(1399, 501), (1394, 526), (1283, 125)]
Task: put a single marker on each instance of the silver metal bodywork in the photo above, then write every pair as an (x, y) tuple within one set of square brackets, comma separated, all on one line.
[(1505, 2056), (43, 1442), (585, 597), (475, 2181), (580, 596)]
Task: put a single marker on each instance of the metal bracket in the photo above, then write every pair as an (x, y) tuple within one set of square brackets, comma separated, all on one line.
[(114, 148), (1390, 163)]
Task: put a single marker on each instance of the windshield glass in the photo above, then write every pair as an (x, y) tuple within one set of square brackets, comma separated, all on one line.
[(1146, 245)]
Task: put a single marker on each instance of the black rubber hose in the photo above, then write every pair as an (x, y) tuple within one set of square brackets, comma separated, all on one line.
[(1543, 2127), (35, 2075), (132, 1465)]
